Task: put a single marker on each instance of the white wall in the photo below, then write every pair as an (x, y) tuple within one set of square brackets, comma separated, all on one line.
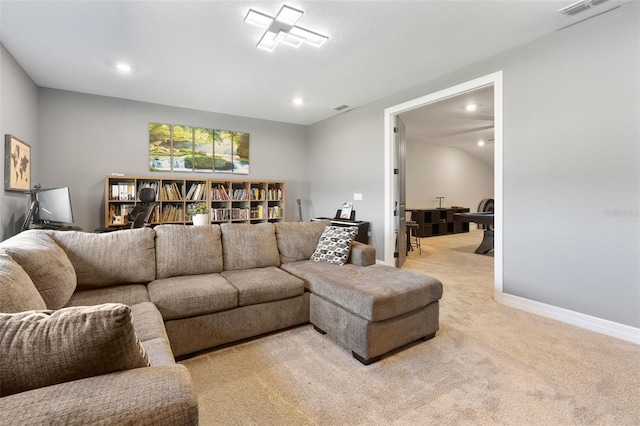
[(571, 160), (442, 171), (86, 137), (18, 117)]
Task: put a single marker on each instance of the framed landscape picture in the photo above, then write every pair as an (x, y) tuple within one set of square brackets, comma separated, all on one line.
[(17, 164), (179, 148)]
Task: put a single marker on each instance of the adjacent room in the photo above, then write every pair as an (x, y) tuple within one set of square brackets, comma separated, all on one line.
[(320, 212)]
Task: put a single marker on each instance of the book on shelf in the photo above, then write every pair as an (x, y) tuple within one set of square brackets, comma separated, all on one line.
[(219, 193), (274, 212), (196, 192), (219, 215), (257, 194), (172, 213), (240, 213), (171, 192), (240, 194), (123, 191), (275, 194)]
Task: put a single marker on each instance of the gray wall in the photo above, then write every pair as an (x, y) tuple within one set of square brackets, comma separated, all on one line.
[(18, 117), (86, 137), (443, 171), (571, 164)]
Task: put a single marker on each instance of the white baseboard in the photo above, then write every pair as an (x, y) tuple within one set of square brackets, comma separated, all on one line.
[(599, 325)]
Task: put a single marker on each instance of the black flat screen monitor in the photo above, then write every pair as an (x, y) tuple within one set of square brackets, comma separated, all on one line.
[(54, 206)]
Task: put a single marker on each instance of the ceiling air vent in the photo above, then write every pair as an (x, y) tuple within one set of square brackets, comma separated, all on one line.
[(340, 107), (580, 6)]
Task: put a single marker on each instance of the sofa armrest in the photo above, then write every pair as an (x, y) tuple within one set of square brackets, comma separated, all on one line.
[(362, 254), (159, 395)]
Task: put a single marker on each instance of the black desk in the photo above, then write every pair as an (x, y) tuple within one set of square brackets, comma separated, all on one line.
[(363, 227), (58, 227), (484, 219)]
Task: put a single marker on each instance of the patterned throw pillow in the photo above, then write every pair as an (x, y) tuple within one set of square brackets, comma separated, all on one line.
[(42, 348), (335, 244)]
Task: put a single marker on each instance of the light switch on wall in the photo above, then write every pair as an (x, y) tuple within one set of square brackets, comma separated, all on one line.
[(357, 196)]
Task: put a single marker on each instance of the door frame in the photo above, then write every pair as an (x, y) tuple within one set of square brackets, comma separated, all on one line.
[(495, 79)]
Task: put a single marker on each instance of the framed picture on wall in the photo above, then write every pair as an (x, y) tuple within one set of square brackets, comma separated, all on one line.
[(17, 164)]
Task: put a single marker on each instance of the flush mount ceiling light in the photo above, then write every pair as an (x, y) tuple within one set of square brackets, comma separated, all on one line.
[(283, 29), (580, 6), (471, 107)]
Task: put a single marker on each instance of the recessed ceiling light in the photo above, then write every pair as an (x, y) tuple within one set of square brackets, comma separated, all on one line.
[(123, 67), (471, 107), (480, 143), (298, 101)]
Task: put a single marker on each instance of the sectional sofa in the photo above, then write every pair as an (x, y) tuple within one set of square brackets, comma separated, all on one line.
[(91, 324)]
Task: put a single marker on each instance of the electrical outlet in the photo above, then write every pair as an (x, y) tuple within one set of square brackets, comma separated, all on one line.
[(357, 196)]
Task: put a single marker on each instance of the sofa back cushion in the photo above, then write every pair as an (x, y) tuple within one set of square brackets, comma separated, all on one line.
[(246, 246), (101, 260), (187, 250), (298, 240), (17, 292), (48, 347), (46, 263)]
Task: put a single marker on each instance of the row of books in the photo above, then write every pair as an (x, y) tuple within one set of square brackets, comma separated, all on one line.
[(219, 215), (275, 194), (172, 213), (171, 192), (124, 191), (197, 192), (219, 193), (275, 212), (127, 191)]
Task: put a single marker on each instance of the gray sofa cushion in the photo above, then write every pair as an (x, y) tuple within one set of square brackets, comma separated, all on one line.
[(101, 260), (394, 292), (16, 288), (247, 246), (46, 263), (298, 240), (128, 294), (260, 285), (44, 348), (191, 295), (187, 250)]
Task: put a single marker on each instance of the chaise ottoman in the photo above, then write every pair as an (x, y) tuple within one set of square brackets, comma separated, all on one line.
[(371, 310)]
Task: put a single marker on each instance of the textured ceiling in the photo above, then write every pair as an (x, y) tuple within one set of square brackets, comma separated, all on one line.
[(201, 55), (447, 123)]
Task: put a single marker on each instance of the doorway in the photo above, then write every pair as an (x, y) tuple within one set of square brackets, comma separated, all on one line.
[(391, 160)]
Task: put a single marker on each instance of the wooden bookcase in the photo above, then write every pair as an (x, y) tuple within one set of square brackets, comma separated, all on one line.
[(241, 201)]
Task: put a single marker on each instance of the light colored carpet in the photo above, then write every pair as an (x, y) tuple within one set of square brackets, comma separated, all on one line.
[(488, 364)]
